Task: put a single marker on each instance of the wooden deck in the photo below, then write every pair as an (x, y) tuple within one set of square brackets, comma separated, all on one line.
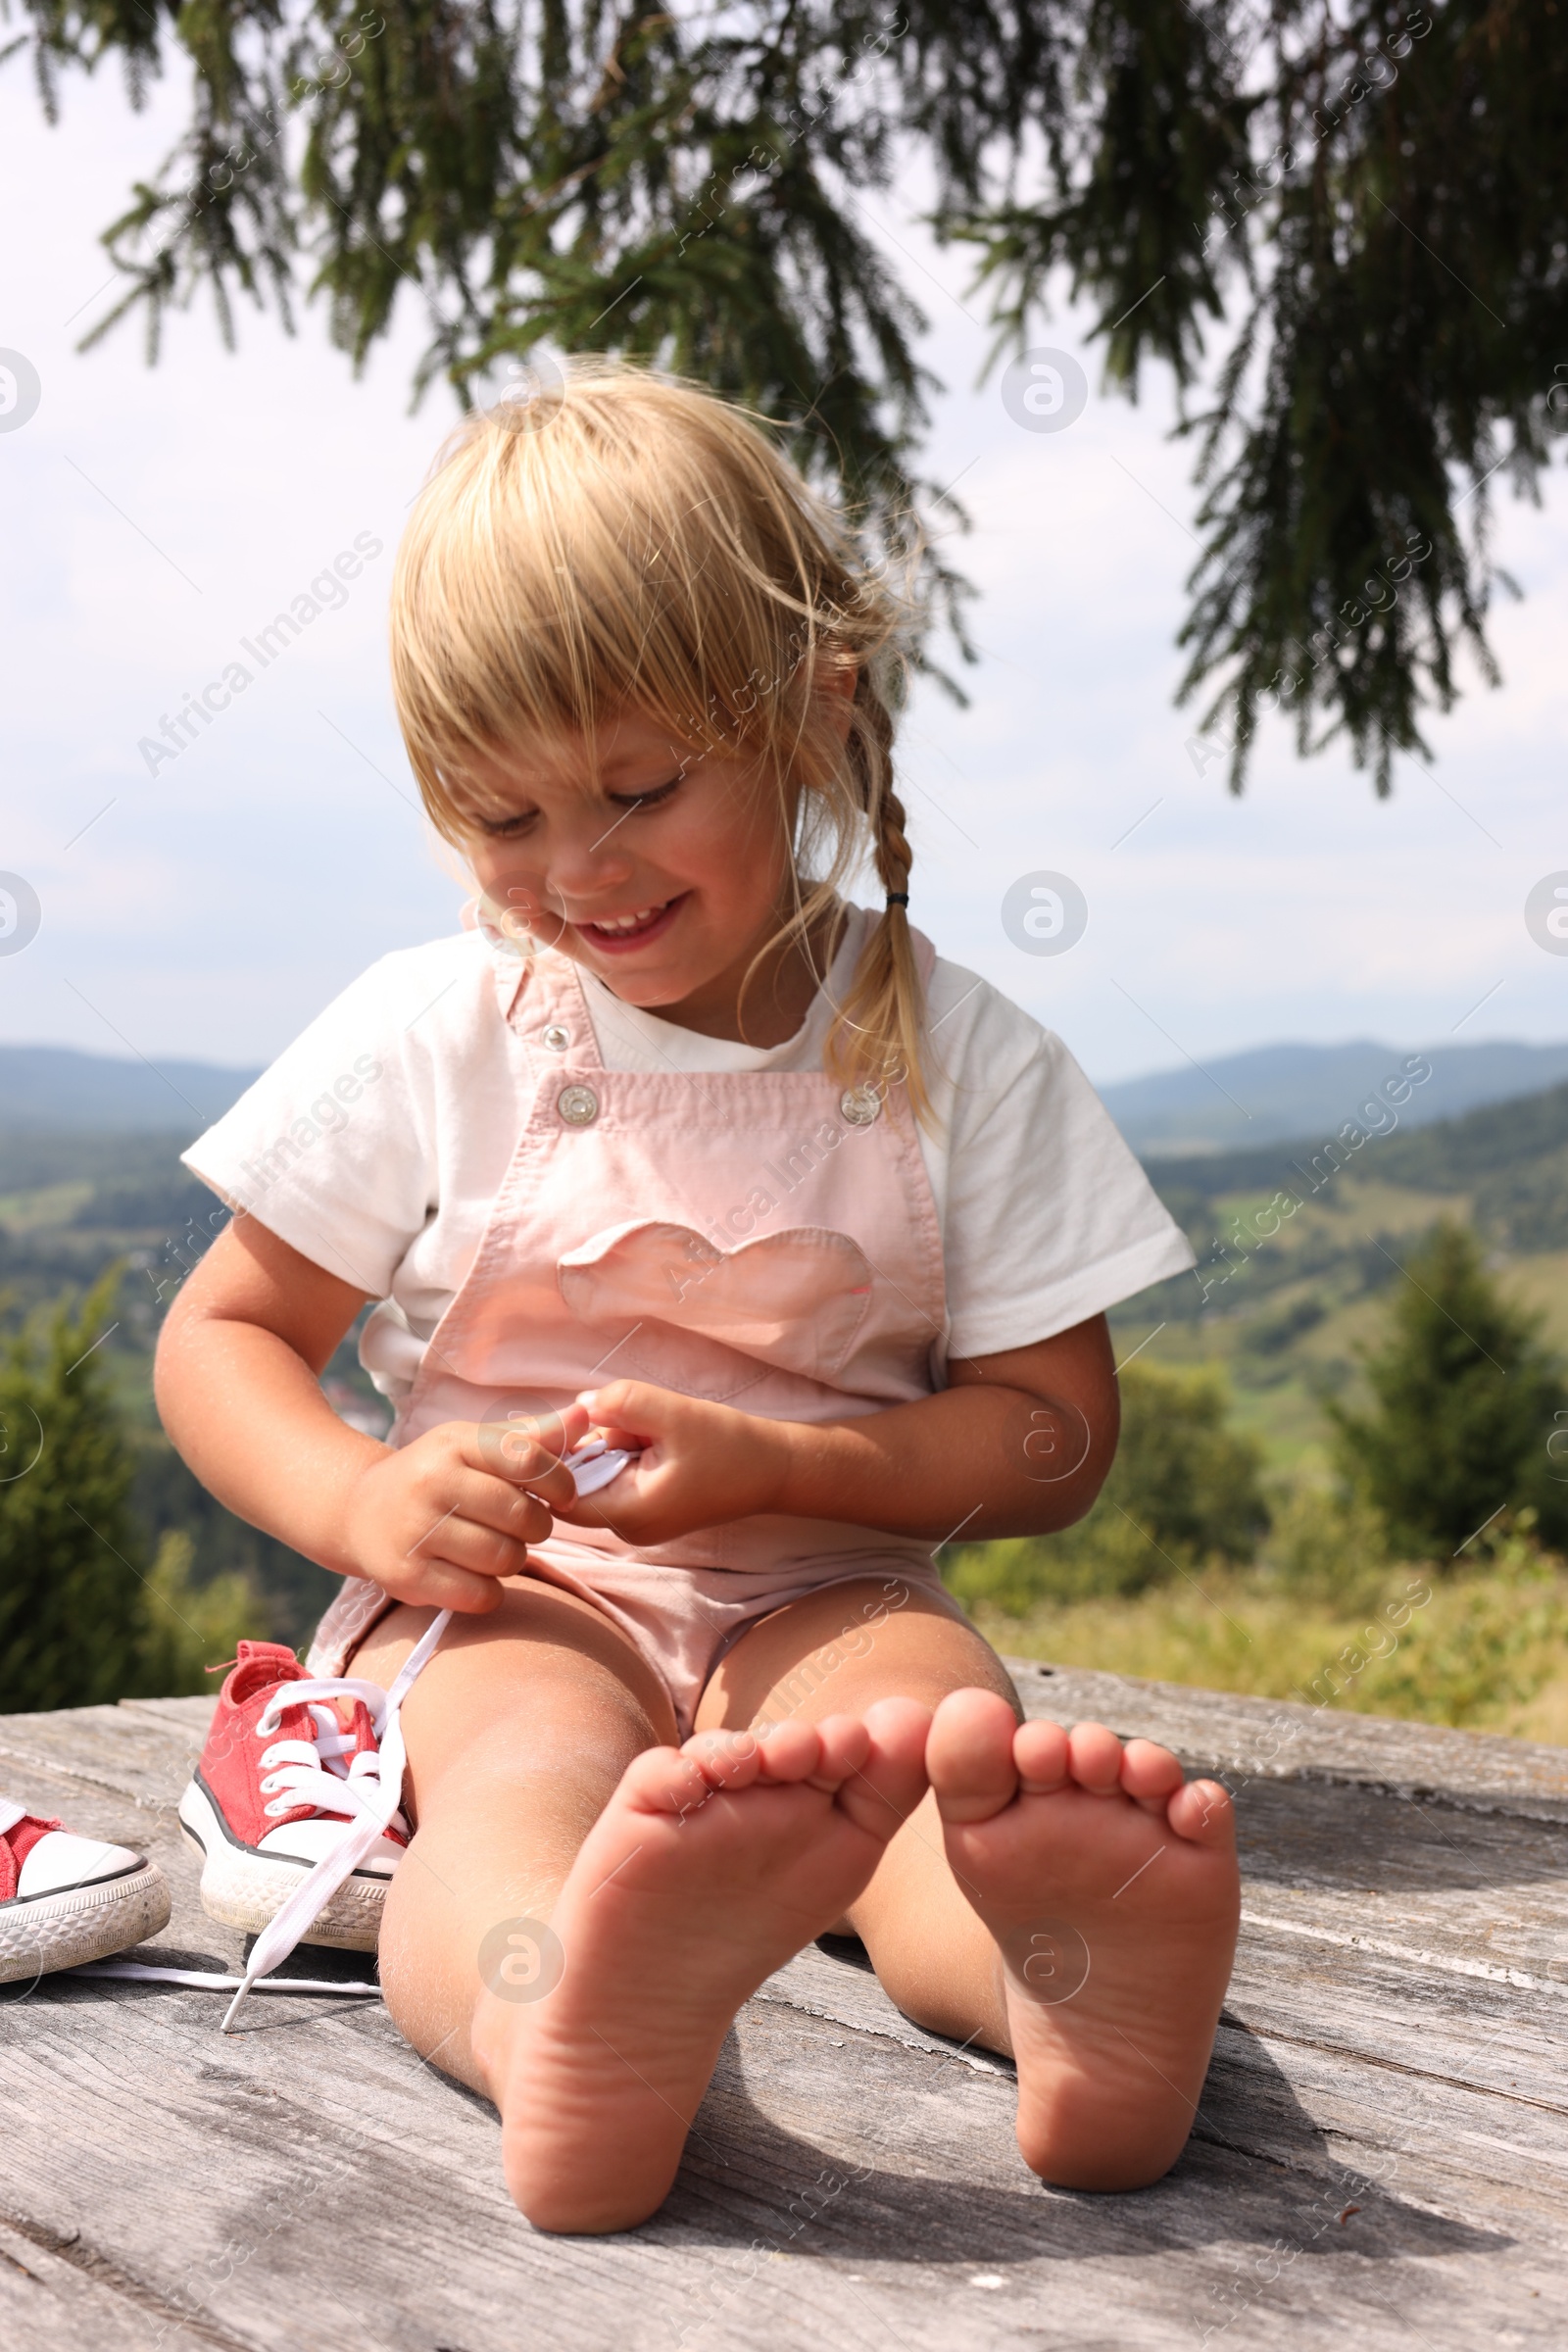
[(1381, 2158)]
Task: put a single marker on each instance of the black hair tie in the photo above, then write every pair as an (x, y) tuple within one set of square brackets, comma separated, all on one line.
[(898, 898)]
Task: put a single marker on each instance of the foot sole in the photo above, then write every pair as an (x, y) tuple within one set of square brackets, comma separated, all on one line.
[(242, 1888), (52, 1931)]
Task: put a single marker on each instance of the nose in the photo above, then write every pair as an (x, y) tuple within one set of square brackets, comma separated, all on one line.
[(588, 862)]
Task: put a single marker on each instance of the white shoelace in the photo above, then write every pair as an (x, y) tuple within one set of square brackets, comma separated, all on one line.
[(377, 1791), (312, 1772), (372, 1787), (300, 1772)]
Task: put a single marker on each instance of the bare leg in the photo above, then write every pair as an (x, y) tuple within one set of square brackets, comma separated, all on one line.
[(658, 1887), (518, 1732), (1073, 1904)]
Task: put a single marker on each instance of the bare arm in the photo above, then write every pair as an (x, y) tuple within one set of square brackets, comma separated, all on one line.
[(1018, 1443), (239, 1373)]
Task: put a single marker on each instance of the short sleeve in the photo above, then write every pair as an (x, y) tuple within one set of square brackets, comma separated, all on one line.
[(332, 1147), (1049, 1218)]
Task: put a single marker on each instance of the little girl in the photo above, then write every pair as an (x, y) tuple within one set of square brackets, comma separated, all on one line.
[(675, 1144)]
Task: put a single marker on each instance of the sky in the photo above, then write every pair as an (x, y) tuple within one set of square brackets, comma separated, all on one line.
[(154, 516)]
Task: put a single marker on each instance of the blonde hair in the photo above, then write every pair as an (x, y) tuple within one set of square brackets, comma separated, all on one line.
[(622, 541)]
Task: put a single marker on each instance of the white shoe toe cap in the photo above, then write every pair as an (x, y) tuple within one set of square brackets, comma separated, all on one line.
[(61, 1859), (308, 1841)]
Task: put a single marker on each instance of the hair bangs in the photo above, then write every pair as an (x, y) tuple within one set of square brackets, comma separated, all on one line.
[(626, 543)]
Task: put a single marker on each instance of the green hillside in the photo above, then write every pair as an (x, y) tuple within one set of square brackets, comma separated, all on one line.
[(1300, 1248), (72, 1205), (1297, 1245)]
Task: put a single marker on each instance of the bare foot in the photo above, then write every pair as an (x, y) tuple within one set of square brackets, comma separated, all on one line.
[(710, 1866), (1111, 1889)]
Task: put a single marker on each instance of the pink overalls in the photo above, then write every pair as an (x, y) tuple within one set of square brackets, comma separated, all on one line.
[(767, 1239)]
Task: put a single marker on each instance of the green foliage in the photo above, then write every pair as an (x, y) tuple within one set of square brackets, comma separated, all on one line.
[(1479, 1648), (84, 1616), (1183, 1487), (1321, 1543), (1374, 197), (1465, 1397), (189, 1627)]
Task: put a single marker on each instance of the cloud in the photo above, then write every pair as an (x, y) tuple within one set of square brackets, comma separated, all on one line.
[(155, 515)]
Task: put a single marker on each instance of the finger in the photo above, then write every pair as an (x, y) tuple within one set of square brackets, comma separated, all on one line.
[(626, 1437), (457, 1542), (635, 1408), (527, 1450), (441, 1585), (516, 1513)]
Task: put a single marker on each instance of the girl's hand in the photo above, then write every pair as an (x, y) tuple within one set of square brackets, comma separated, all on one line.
[(701, 1464), (438, 1523)]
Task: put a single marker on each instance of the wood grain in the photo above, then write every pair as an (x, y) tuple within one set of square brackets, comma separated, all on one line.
[(1380, 2158)]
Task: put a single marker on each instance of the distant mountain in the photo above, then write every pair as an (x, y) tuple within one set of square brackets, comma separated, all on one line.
[(56, 1088), (1237, 1102), (1509, 1158)]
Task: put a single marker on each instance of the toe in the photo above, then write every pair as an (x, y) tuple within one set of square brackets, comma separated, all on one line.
[(1095, 1757), (725, 1759), (1040, 1752), (790, 1751), (1201, 1812), (844, 1747), (1148, 1772), (663, 1780), (881, 1793), (969, 1755)]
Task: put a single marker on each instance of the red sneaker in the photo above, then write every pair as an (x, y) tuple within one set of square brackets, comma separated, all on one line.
[(290, 1764), (64, 1899)]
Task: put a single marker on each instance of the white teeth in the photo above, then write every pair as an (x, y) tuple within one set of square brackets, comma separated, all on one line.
[(627, 922)]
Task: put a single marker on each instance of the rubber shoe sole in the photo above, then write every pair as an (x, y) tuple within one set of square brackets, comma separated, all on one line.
[(43, 1933), (245, 1890)]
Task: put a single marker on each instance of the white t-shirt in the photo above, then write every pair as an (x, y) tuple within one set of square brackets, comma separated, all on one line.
[(376, 1142)]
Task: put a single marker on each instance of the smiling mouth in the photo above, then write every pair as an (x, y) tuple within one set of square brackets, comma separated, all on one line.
[(618, 931)]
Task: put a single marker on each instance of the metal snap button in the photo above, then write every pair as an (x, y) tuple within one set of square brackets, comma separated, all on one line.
[(578, 1106), (861, 1105), (555, 1037)]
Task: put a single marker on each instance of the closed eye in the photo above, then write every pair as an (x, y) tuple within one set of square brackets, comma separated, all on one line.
[(515, 826), (651, 799)]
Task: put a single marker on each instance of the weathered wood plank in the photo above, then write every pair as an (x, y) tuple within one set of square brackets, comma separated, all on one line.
[(123, 1749), (318, 2154), (1280, 1738), (310, 2182), (52, 2304)]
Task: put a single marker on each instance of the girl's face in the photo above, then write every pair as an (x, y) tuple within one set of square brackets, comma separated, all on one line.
[(661, 868)]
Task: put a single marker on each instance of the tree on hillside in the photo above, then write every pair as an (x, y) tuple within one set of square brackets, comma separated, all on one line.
[(84, 1614), (1465, 1399), (1367, 200)]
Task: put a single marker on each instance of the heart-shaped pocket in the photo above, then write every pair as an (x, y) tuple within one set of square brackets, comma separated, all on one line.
[(795, 1300)]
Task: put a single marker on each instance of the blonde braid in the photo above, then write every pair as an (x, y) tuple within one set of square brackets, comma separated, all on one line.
[(878, 1031)]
